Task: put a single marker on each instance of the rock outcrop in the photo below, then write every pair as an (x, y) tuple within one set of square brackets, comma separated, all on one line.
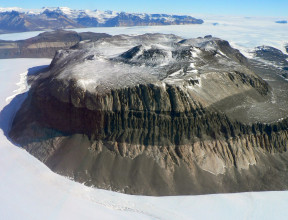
[(45, 44), (270, 55), (138, 114)]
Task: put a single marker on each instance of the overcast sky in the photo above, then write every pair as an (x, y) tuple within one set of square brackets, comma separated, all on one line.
[(225, 7)]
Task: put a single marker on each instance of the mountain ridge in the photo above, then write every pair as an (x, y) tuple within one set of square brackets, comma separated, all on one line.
[(138, 114), (45, 44), (18, 20)]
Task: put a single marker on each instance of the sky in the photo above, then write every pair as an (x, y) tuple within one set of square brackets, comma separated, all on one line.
[(219, 7)]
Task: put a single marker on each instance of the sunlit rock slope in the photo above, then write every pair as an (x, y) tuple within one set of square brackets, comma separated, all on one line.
[(148, 115)]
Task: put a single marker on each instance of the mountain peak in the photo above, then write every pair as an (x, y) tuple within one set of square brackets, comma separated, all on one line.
[(90, 18)]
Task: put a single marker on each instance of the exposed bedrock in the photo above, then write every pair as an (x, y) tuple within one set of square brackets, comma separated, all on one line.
[(45, 44), (151, 124), (153, 145)]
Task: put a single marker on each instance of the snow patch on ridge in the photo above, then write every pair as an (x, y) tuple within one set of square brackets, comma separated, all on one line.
[(124, 61)]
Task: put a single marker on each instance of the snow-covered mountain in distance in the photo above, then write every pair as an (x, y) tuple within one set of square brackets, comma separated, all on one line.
[(101, 16), (17, 19)]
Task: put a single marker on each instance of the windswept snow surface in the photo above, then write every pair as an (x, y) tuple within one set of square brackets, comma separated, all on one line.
[(29, 190)]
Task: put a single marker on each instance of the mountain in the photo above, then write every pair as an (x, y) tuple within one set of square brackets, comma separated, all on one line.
[(18, 20), (274, 57), (45, 44), (156, 114)]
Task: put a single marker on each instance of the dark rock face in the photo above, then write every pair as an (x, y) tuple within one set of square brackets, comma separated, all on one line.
[(88, 21), (45, 44), (273, 56), (142, 152), (154, 136), (12, 21)]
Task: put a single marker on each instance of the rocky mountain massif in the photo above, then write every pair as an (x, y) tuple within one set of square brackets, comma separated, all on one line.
[(156, 114), (19, 20), (274, 57), (45, 44)]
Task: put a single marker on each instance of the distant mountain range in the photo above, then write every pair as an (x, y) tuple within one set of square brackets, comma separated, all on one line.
[(281, 22), (19, 20)]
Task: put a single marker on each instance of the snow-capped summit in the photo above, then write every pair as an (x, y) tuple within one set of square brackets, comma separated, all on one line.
[(11, 9), (33, 19)]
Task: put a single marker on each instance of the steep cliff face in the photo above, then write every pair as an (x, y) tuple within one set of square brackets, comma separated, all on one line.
[(141, 119)]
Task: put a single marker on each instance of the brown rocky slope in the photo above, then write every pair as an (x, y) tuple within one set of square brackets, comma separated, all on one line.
[(140, 119)]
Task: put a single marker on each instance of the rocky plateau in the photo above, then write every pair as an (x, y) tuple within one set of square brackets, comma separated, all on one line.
[(157, 114), (45, 44)]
